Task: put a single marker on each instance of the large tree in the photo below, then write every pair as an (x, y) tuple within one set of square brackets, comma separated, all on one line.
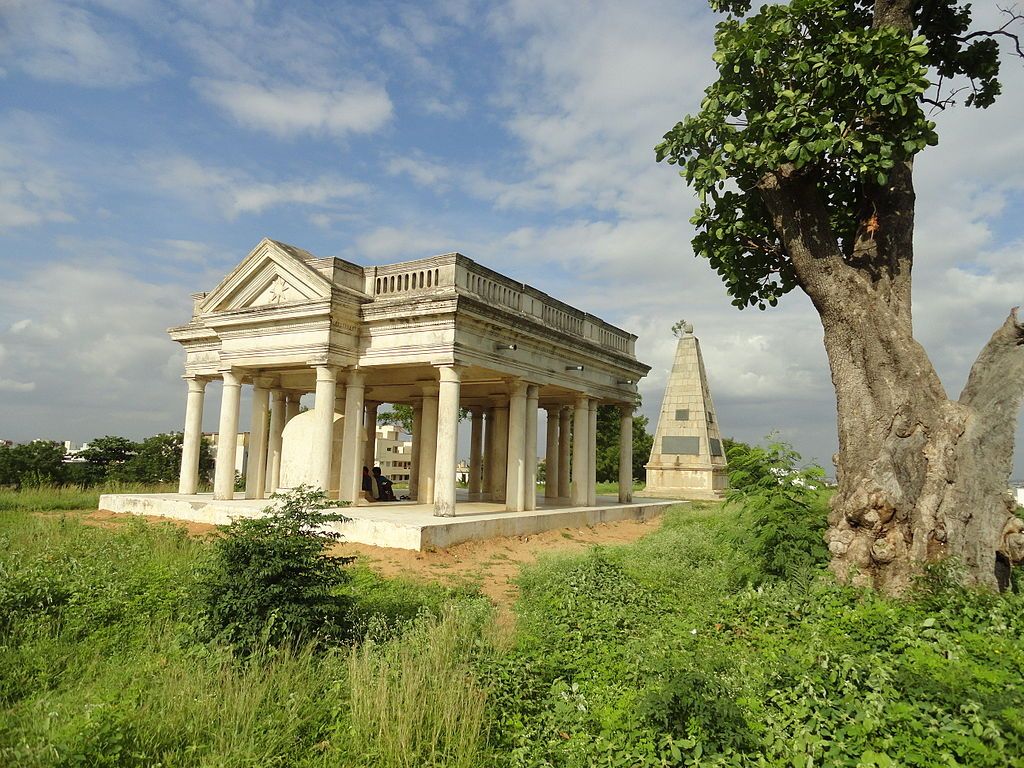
[(802, 156)]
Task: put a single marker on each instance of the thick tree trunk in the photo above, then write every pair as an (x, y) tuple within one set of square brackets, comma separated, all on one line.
[(921, 477)]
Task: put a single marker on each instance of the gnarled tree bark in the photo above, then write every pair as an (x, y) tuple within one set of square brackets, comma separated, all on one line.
[(921, 477)]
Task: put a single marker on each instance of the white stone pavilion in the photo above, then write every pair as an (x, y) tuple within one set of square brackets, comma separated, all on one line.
[(438, 334)]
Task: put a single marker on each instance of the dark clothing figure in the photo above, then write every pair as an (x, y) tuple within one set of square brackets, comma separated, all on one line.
[(385, 488), (368, 482)]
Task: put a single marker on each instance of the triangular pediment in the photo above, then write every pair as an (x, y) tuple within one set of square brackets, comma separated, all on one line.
[(270, 275)]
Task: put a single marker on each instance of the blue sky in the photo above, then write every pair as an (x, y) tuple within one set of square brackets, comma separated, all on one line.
[(145, 147)]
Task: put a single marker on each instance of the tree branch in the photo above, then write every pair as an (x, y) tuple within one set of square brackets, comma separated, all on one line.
[(801, 219), (1001, 31)]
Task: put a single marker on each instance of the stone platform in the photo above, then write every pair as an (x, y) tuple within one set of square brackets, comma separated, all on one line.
[(397, 524)]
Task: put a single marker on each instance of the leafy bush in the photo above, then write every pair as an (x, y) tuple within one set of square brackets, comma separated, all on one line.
[(270, 581), (782, 508)]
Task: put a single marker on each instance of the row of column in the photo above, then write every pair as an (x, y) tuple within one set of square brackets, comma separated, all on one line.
[(263, 470), (503, 456)]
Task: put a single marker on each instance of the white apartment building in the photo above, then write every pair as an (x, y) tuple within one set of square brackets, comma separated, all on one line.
[(393, 454)]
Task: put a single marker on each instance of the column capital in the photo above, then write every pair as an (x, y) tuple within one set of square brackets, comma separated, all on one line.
[(263, 382), (582, 401), (516, 387), (196, 383), (430, 390), (355, 377), (450, 373), (277, 394), (372, 404), (532, 391), (232, 377), (326, 373), (626, 409)]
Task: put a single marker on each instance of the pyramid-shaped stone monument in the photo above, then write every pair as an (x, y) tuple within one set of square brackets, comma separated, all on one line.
[(687, 459)]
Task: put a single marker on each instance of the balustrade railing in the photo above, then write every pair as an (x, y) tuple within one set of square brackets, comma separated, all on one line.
[(456, 271)]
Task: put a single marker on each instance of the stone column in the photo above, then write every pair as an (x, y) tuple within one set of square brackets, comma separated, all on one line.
[(256, 469), (323, 414), (551, 453), (592, 456), (530, 468), (192, 438), (352, 449), (515, 472), (447, 440), (476, 438), (428, 445), (499, 451), (564, 447), (487, 484), (625, 454), (580, 447), (414, 464), (371, 406), (291, 405), (277, 410), (227, 437)]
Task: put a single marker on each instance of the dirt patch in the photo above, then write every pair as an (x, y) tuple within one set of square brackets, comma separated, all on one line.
[(492, 565)]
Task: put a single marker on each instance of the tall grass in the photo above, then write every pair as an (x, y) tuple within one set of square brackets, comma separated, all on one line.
[(52, 498), (99, 663), (415, 700)]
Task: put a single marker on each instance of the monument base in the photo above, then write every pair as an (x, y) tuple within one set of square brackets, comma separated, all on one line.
[(672, 481), (401, 525), (683, 494)]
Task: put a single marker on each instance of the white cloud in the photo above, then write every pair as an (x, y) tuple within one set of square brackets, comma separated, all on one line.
[(395, 243), (236, 192), (9, 385), (33, 188), (101, 363), (66, 43), (426, 173), (288, 111)]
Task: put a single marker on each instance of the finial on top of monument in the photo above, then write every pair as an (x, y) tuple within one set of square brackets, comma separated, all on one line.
[(682, 328)]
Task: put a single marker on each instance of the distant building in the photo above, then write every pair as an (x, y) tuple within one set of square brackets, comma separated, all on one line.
[(1020, 496), (393, 454)]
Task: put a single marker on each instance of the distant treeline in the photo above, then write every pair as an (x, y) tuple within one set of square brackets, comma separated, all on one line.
[(156, 459)]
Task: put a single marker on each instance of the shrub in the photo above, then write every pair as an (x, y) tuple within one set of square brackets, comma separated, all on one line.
[(270, 581), (783, 508)]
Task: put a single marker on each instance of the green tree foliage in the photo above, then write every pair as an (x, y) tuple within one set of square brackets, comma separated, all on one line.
[(32, 464), (399, 416), (781, 506), (814, 84), (608, 444), (270, 581), (104, 459), (158, 460)]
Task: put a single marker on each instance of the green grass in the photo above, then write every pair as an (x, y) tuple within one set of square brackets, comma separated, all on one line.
[(50, 498), (652, 654)]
